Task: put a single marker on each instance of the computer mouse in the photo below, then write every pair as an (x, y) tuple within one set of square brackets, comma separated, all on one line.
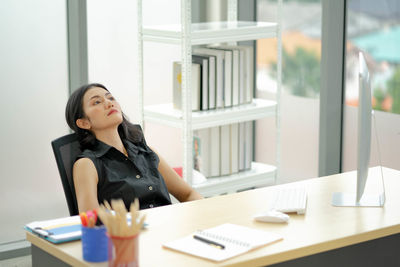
[(272, 216)]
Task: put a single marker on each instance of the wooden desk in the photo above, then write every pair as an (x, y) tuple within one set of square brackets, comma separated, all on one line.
[(322, 228)]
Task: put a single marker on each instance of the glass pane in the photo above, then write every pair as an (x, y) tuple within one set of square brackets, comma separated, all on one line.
[(301, 58), (373, 27), (34, 86)]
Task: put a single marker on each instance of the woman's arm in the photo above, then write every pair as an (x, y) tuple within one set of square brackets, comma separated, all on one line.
[(85, 181), (175, 184)]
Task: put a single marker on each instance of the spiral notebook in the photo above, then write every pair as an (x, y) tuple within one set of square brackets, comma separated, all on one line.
[(234, 240)]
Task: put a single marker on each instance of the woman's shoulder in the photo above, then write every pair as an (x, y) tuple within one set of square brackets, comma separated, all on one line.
[(87, 156), (95, 151), (87, 153)]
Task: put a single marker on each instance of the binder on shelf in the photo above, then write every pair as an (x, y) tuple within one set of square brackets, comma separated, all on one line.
[(235, 78), (223, 242), (215, 158), (202, 151), (212, 83), (225, 150), (228, 74), (228, 79), (242, 83), (220, 58), (248, 158), (234, 147), (203, 61), (247, 73), (195, 86), (242, 145)]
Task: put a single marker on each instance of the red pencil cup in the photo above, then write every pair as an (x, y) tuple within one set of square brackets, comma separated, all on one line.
[(123, 251)]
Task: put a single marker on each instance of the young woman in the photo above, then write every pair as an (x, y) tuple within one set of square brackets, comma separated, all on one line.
[(116, 162)]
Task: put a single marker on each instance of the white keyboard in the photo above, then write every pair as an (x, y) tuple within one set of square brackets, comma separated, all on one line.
[(290, 199)]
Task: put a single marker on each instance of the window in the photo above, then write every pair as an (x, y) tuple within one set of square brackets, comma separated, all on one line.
[(301, 59), (373, 27)]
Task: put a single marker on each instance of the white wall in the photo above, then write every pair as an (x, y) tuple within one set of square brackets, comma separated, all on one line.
[(34, 90), (113, 56)]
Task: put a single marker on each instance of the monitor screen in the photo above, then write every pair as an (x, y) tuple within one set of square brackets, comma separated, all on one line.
[(364, 126)]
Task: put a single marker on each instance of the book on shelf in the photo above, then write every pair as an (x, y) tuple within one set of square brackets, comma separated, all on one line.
[(228, 78), (237, 72), (223, 150), (203, 61), (202, 151), (223, 242), (215, 144), (247, 71), (195, 86), (242, 82), (212, 82), (210, 102), (220, 58), (245, 145), (235, 78), (228, 74), (242, 146), (225, 131), (248, 158), (234, 147)]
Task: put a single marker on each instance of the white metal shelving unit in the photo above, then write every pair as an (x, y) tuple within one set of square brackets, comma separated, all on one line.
[(212, 32), (167, 115), (186, 35)]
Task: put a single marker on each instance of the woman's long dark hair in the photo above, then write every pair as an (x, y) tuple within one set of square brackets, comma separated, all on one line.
[(74, 111)]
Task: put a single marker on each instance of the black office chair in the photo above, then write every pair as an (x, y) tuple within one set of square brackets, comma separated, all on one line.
[(66, 149)]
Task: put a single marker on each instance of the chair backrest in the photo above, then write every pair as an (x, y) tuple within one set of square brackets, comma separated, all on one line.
[(66, 149)]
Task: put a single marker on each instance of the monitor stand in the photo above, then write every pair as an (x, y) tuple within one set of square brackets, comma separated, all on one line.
[(340, 199)]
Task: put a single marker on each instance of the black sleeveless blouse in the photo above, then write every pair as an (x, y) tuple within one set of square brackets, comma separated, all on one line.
[(127, 178)]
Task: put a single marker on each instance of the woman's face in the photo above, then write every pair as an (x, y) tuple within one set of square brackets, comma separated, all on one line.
[(101, 109)]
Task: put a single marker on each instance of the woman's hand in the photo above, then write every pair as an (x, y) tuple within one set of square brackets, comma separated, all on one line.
[(175, 184)]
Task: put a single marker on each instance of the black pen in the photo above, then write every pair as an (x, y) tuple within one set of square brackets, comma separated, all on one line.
[(209, 242)]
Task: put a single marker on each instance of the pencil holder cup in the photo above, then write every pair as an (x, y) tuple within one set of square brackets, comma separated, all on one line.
[(94, 244), (123, 251)]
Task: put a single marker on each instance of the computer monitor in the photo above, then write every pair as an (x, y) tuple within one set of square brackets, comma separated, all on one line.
[(363, 146), (364, 125)]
